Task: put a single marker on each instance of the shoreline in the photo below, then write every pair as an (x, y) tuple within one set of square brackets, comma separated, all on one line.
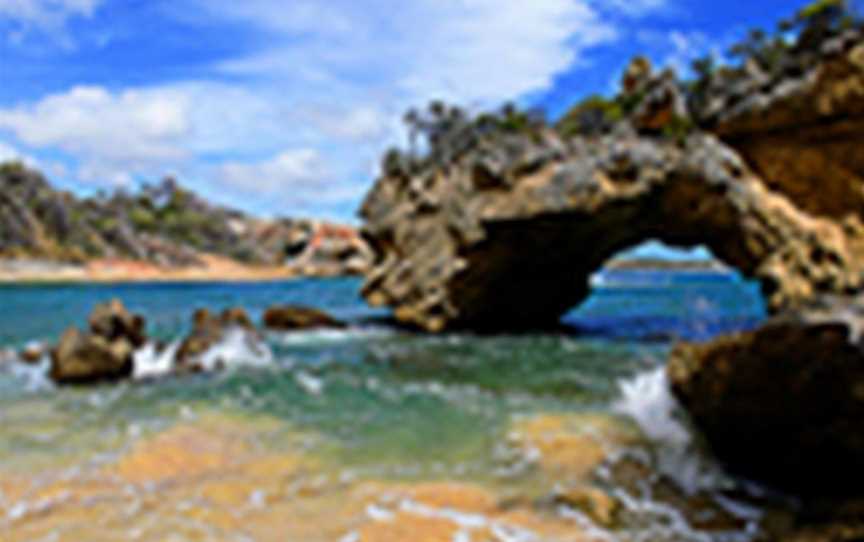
[(222, 270), (215, 270)]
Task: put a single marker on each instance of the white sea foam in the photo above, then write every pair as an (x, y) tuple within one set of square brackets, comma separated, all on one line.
[(647, 400), (238, 348), (324, 336), (151, 362), (32, 376), (310, 384)]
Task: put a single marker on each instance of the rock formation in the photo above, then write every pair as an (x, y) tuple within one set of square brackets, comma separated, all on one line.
[(785, 398), (497, 240), (105, 353), (321, 249), (505, 231)]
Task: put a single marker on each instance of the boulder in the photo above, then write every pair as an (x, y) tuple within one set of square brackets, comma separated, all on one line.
[(105, 353), (86, 358), (289, 318), (783, 404)]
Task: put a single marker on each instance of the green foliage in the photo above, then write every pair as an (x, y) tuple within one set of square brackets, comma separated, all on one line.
[(143, 218), (442, 133), (12, 167), (592, 116), (679, 129)]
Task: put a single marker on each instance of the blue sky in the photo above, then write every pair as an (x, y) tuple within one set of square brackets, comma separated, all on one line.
[(282, 107)]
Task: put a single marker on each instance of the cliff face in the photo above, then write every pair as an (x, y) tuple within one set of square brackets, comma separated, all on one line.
[(803, 133)]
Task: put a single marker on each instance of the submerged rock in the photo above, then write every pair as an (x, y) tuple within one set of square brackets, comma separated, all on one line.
[(783, 404), (289, 318), (105, 353), (32, 353)]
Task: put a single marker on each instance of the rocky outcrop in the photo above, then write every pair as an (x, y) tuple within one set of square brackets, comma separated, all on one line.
[(801, 131), (320, 249), (508, 234), (786, 398), (503, 230), (104, 353), (289, 318)]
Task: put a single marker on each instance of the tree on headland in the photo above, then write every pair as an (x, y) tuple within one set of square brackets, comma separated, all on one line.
[(442, 132)]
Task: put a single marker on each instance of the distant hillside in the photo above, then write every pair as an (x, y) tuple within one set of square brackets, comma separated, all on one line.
[(162, 224)]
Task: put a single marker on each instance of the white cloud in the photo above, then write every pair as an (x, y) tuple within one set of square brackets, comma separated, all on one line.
[(283, 172), (475, 51), (46, 14), (635, 8), (112, 135), (328, 81), (676, 49), (294, 179)]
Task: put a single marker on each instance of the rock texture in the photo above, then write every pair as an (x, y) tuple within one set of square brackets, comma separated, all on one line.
[(322, 250), (502, 239), (803, 132), (786, 398), (105, 353)]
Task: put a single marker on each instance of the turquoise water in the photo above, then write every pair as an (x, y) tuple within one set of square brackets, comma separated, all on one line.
[(379, 400)]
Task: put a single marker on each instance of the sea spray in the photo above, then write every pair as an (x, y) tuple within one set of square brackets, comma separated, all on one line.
[(647, 400), (151, 362)]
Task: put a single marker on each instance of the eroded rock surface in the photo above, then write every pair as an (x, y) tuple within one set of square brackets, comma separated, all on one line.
[(508, 235), (802, 132), (784, 403), (504, 231)]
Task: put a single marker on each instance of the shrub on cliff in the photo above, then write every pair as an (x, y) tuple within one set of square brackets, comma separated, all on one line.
[(12, 167), (441, 133), (594, 115)]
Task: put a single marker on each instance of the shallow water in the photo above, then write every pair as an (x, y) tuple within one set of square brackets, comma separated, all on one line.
[(356, 434)]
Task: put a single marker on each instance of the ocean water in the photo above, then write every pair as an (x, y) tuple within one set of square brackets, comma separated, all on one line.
[(362, 409)]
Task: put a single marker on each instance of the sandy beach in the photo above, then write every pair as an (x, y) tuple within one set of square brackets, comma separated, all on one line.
[(216, 269)]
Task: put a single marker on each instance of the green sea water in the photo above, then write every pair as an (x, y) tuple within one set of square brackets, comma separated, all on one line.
[(372, 400)]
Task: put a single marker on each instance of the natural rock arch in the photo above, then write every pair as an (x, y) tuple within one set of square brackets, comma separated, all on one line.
[(508, 236)]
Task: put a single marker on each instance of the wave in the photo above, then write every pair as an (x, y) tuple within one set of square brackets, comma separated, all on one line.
[(238, 348), (326, 336), (646, 398)]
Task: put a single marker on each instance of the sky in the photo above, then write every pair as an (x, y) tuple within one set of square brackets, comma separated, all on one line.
[(283, 107)]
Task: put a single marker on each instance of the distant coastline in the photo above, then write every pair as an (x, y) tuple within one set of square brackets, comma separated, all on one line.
[(220, 269), (664, 265), (212, 269)]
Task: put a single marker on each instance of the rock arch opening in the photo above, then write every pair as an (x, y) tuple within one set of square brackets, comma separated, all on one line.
[(655, 292)]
